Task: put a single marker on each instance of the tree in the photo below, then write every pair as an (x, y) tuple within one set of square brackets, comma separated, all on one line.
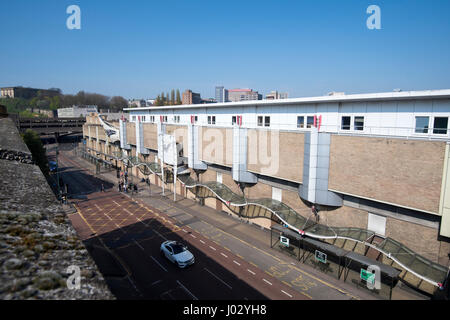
[(117, 103), (178, 97), (167, 99), (172, 97), (54, 103), (34, 143)]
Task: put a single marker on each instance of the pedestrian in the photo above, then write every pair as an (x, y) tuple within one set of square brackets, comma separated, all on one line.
[(135, 188), (103, 188), (120, 186), (125, 187)]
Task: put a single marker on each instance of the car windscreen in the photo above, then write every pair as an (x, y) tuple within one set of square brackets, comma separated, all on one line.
[(177, 248)]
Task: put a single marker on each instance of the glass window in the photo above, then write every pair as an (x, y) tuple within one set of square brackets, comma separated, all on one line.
[(440, 125), (209, 119), (233, 120), (345, 123), (422, 124), (267, 121), (213, 120), (260, 121), (359, 123), (300, 122), (309, 122)]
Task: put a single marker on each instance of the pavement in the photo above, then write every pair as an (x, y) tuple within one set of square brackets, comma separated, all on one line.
[(231, 253)]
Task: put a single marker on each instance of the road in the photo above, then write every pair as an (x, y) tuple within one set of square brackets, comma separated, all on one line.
[(124, 235)]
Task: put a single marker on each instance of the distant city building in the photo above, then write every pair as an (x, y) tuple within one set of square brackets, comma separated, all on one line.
[(236, 95), (276, 95), (209, 100), (221, 94), (190, 97), (139, 103), (150, 102), (26, 93), (76, 111)]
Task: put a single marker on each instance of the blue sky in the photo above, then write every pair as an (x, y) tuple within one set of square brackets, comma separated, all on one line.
[(140, 48)]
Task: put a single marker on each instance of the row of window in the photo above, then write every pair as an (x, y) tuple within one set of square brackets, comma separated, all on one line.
[(440, 124)]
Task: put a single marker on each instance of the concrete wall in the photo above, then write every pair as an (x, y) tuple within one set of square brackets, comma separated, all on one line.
[(402, 172)]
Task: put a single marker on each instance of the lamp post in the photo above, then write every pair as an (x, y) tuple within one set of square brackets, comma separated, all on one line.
[(57, 172)]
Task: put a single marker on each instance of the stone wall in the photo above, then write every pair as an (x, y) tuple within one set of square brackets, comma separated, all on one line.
[(37, 240)]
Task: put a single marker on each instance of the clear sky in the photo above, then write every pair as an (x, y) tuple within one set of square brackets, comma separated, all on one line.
[(139, 48)]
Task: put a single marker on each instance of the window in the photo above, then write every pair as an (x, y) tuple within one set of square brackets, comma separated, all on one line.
[(195, 119), (309, 122), (422, 124), (152, 118), (143, 118), (211, 119), (345, 123), (233, 120), (440, 125), (260, 121), (359, 123), (300, 122), (164, 119), (133, 118), (266, 121), (176, 119)]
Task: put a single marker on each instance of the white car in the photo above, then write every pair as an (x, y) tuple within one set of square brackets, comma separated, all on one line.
[(177, 253)]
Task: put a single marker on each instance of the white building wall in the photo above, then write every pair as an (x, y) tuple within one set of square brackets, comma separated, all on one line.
[(386, 118)]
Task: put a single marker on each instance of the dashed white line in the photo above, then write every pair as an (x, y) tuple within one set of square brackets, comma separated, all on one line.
[(202, 241), (138, 244), (159, 234), (213, 248), (159, 264), (193, 236), (236, 262), (267, 281), (251, 271), (286, 293), (224, 255), (219, 279), (190, 293), (184, 230)]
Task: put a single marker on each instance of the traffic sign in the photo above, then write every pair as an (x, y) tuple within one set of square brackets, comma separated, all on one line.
[(320, 256), (367, 276), (284, 241)]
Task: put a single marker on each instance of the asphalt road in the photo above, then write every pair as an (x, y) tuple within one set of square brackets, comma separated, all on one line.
[(124, 236)]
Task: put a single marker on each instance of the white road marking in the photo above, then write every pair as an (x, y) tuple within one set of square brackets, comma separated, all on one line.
[(159, 234), (219, 279), (251, 271), (159, 263), (213, 248), (224, 255), (267, 281), (190, 293), (193, 236), (236, 262), (202, 241), (286, 293), (139, 245)]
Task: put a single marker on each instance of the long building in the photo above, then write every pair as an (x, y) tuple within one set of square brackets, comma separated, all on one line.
[(364, 172)]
